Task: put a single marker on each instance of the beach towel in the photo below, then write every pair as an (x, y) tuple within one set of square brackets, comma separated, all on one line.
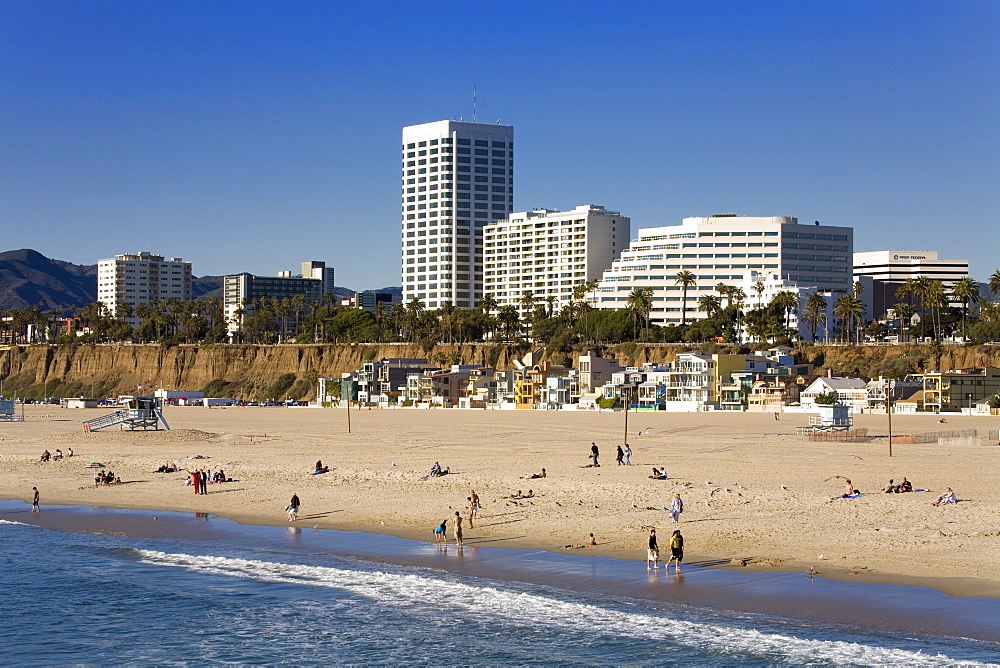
[(852, 496)]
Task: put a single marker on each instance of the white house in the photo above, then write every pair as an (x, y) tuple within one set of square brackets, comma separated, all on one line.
[(849, 391)]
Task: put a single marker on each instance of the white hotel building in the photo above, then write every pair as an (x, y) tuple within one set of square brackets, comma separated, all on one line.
[(547, 252), (141, 278), (720, 249), (457, 177)]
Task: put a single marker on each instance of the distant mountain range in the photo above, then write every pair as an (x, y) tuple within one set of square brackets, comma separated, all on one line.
[(28, 278)]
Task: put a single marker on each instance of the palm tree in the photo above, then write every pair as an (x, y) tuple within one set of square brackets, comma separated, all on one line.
[(903, 311), (814, 312), (710, 304), (994, 283), (966, 291), (527, 302), (509, 320), (550, 305), (487, 304), (787, 301), (726, 291), (937, 298), (639, 303), (858, 288), (759, 288), (685, 279), (848, 309), (921, 289), (414, 311)]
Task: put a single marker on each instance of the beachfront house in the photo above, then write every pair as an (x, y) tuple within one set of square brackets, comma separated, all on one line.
[(961, 388), (877, 389), (848, 391)]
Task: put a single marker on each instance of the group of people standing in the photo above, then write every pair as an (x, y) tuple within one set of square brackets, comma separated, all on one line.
[(676, 551)]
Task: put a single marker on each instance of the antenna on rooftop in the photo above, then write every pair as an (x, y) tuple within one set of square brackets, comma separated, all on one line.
[(475, 94)]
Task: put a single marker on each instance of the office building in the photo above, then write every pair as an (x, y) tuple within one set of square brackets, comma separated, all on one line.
[(241, 293), (882, 273), (546, 252), (129, 280), (719, 249), (315, 269), (456, 178)]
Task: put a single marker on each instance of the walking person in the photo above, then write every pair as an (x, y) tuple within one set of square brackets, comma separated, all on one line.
[(628, 455), (653, 553), (474, 498), (458, 528), (471, 509), (676, 508), (676, 551), (621, 456), (594, 453), (293, 508), (34, 501)]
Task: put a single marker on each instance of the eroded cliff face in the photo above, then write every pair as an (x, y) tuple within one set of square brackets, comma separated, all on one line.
[(251, 371)]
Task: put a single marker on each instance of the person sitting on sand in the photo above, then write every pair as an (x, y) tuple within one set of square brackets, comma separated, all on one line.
[(659, 474), (891, 487), (947, 497), (592, 541), (58, 454), (905, 486), (46, 456), (435, 470), (942, 421), (69, 452), (319, 466), (848, 491)]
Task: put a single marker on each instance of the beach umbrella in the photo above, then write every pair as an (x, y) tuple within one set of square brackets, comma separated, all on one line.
[(93, 465)]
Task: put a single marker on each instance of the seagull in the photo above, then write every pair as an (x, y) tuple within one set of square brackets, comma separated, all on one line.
[(820, 556), (393, 463), (708, 503), (739, 485), (783, 487), (633, 505), (644, 431), (382, 523), (727, 489), (708, 482)]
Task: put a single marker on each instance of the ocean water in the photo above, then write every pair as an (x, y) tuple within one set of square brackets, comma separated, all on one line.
[(102, 598)]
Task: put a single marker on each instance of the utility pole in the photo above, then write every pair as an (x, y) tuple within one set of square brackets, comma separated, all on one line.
[(888, 410)]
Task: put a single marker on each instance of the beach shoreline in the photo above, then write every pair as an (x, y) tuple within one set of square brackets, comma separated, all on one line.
[(776, 596), (377, 484)]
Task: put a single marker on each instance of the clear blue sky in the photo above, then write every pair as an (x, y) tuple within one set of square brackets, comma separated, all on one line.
[(249, 136)]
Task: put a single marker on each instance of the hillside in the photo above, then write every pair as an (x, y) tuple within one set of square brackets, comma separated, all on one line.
[(28, 278), (254, 371)]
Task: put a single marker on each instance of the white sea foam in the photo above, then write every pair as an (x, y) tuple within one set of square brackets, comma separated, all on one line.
[(456, 598), (22, 524)]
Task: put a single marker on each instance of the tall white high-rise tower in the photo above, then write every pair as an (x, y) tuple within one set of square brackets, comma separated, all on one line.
[(457, 177)]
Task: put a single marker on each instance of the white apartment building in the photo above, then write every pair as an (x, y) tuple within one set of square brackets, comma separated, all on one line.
[(772, 283), (719, 249), (546, 252), (457, 178), (141, 278), (883, 272)]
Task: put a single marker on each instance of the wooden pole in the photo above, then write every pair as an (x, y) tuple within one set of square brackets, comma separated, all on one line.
[(348, 416), (888, 411), (626, 422)]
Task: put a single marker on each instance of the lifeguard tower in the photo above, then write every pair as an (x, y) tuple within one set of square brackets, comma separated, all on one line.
[(832, 417), (139, 413), (7, 413)]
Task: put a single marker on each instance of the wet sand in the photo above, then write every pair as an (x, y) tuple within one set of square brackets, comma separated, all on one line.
[(743, 519), (793, 597)]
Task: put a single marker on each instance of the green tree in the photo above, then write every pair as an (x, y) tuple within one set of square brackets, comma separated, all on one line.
[(848, 309), (639, 304), (994, 283), (814, 312), (710, 304), (966, 291), (685, 279)]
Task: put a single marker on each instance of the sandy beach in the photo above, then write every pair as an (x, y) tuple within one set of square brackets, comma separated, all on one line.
[(756, 495)]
